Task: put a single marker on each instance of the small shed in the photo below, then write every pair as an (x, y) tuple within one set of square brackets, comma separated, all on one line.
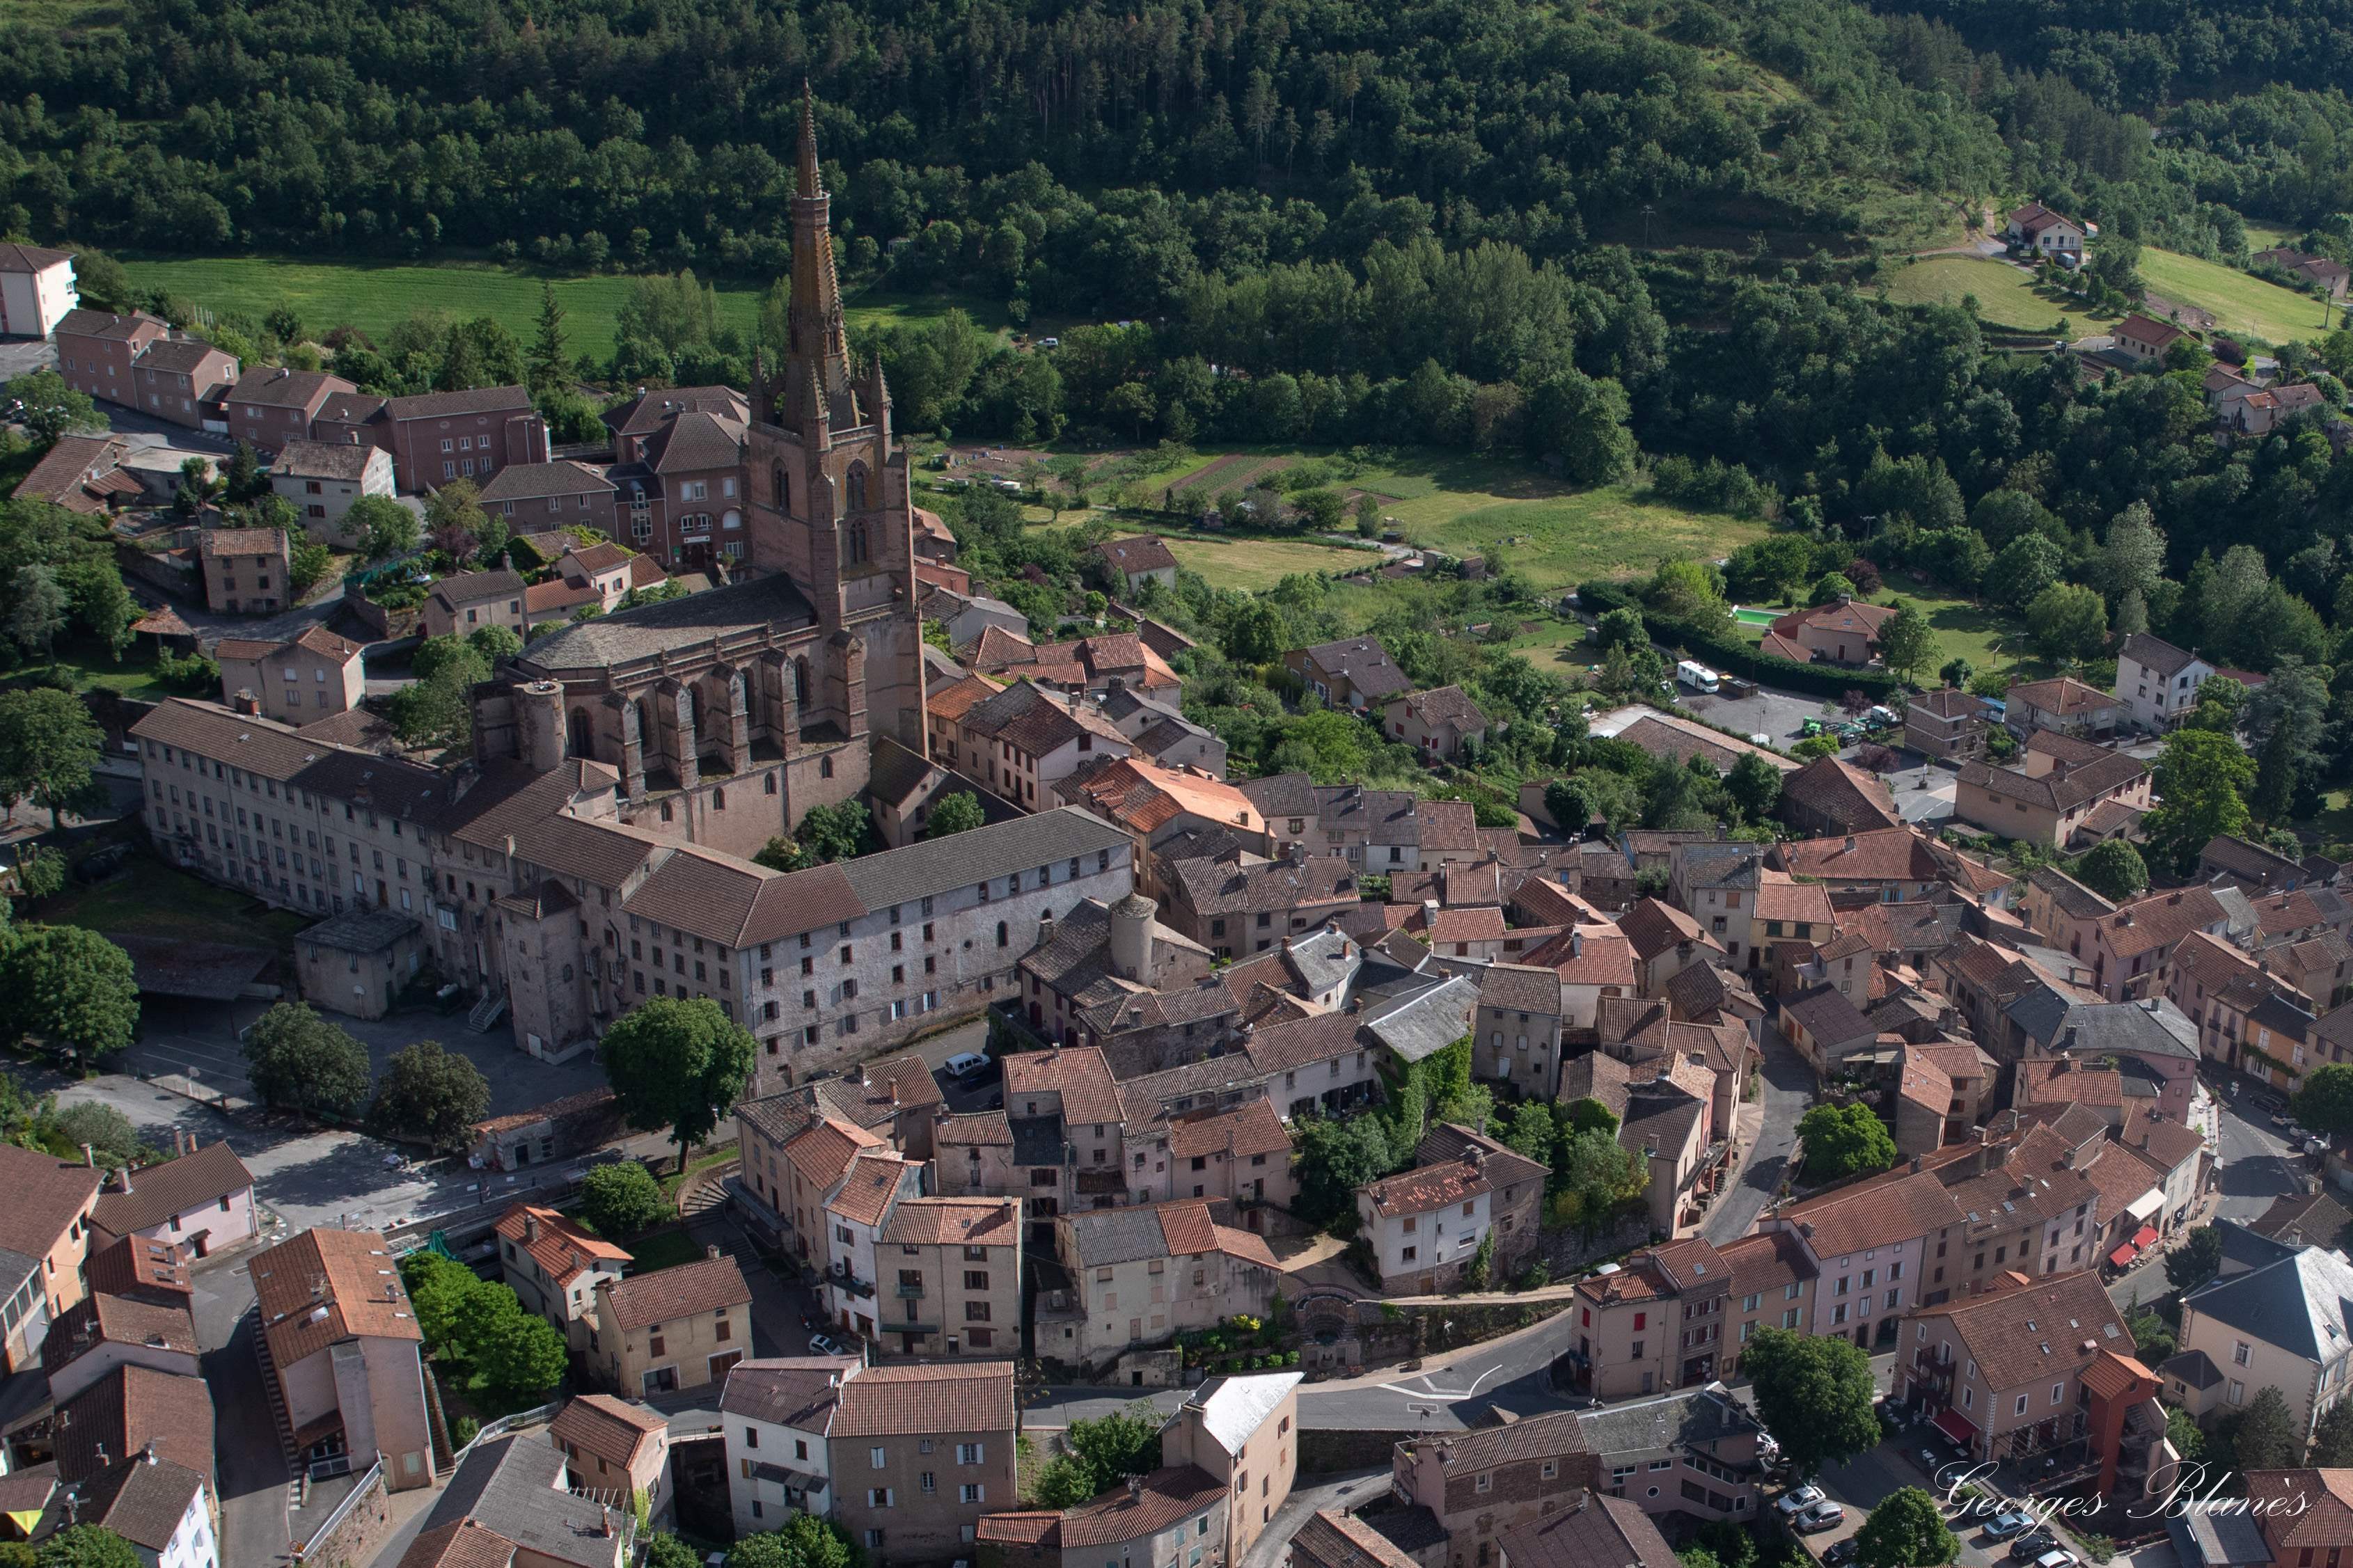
[(357, 962)]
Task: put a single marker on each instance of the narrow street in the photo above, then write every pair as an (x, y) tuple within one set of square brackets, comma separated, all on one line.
[(1789, 1086)]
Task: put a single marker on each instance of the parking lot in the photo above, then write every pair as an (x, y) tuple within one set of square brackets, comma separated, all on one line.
[(1778, 715)]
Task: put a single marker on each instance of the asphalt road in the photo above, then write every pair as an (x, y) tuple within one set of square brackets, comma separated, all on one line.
[(1788, 1088), (2257, 1166)]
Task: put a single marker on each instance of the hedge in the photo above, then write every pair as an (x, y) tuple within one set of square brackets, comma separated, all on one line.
[(1727, 652)]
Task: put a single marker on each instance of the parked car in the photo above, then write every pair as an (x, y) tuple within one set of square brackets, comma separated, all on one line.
[(966, 1065), (2010, 1521), (1840, 1552), (820, 1345), (2033, 1544), (2057, 1559), (1798, 1499), (1828, 1515)]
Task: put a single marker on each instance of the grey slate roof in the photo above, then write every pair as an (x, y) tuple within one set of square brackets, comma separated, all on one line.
[(1281, 794), (1692, 1418), (2302, 1303), (649, 629), (2155, 653), (2102, 1028), (1037, 1140), (2221, 1534), (2195, 1368), (1421, 1023), (996, 849), (360, 930), (2245, 1248), (1103, 1237), (513, 1485)]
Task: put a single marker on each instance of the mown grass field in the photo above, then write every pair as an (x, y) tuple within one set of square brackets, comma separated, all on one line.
[(1557, 534), (373, 296), (1251, 564), (2005, 295), (1987, 637), (2244, 306)]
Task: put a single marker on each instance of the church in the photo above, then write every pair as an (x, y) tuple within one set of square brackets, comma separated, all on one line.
[(727, 715)]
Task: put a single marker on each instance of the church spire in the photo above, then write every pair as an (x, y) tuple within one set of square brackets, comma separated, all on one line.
[(816, 373), (811, 183)]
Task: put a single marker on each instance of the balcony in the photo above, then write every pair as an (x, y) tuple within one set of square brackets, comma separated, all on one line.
[(842, 1279), (910, 1292)]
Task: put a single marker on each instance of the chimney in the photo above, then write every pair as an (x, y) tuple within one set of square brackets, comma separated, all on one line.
[(123, 1180), (90, 1156), (1135, 1488), (530, 1227), (245, 702), (149, 1455), (1045, 928), (1919, 1162), (1850, 843), (710, 1251)]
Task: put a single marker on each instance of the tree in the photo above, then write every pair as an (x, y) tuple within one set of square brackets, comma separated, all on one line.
[(1955, 672), (1830, 588), (2325, 1103), (1581, 420), (2026, 565), (1907, 641), (296, 1059), (2200, 781), (2068, 621), (2132, 558), (1621, 628), (2195, 1261), (804, 1541), (664, 1551), (40, 871), (1907, 1530), (957, 813), (1335, 1158), (52, 408), (429, 1094), (245, 481), (621, 1199), (2283, 721), (494, 643), (308, 561), (1845, 1140), (2265, 1437), (1814, 1394), (2332, 1440), (70, 988), (49, 748), (86, 1546), (39, 611), (520, 1358), (2154, 1341), (2114, 869), (1586, 1115), (1570, 804), (438, 705), (387, 528), (112, 1139), (1104, 1453), (456, 523), (551, 362), (1599, 1177), (1755, 786), (677, 1063)]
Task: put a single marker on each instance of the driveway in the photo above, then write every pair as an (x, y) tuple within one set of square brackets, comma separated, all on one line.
[(1789, 1090)]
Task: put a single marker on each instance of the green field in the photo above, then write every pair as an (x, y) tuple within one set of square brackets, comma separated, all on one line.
[(2244, 306), (373, 296), (1986, 637), (156, 899), (1556, 533), (2006, 296)]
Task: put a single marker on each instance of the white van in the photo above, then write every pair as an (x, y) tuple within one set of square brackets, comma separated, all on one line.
[(965, 1064), (1696, 675)]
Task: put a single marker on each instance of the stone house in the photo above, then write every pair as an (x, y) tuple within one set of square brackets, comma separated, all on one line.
[(1948, 724), (1236, 910), (1135, 561), (556, 1268), (321, 479), (244, 569), (2003, 1372), (37, 289), (543, 494), (297, 681), (356, 963), (1695, 1452), (2062, 788), (463, 604), (1356, 672), (270, 405), (612, 1445), (1426, 1225), (2157, 683), (1139, 1275), (680, 1327), (1518, 1032), (1024, 740), (1478, 1484), (1437, 723), (346, 1348), (920, 1454), (2064, 704), (201, 1199)]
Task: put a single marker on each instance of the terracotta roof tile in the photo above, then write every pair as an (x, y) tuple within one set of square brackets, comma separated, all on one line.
[(2034, 1333), (1877, 1213), (1077, 1073), (691, 1290), (350, 1273), (160, 1191), (610, 1429), (561, 1249), (875, 1177), (127, 1409), (897, 1401)]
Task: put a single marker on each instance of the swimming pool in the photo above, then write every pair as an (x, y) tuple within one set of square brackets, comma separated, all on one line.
[(1756, 618)]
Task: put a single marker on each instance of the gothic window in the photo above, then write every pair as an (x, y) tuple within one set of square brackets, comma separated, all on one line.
[(583, 734), (781, 488), (857, 541), (649, 731), (800, 683), (858, 487), (694, 709)]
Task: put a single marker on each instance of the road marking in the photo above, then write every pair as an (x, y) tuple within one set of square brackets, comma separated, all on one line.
[(1431, 1391)]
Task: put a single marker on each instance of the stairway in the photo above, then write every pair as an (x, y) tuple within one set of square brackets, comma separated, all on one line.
[(487, 1012), (278, 1417)]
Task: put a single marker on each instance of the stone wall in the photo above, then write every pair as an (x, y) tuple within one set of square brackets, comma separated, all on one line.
[(1324, 1451), (359, 1534)]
